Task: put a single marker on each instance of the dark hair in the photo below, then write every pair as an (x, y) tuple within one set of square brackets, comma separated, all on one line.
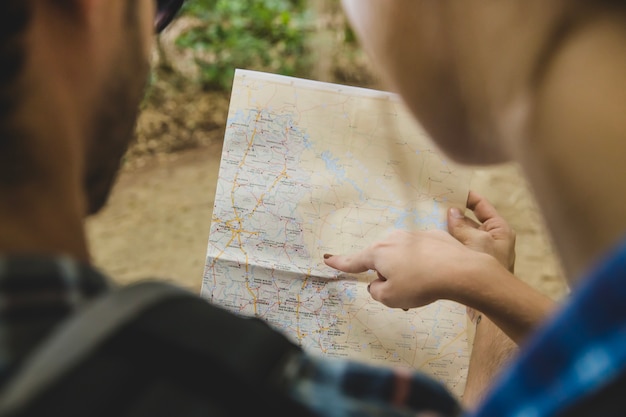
[(14, 19)]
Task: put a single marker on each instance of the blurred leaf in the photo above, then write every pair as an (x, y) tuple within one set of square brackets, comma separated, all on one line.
[(264, 35)]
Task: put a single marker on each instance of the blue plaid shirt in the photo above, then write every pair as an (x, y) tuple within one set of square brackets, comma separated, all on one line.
[(574, 366)]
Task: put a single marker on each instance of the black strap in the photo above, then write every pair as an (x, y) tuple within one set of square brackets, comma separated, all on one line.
[(153, 349)]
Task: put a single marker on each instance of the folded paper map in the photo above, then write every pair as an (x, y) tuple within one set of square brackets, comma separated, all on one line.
[(310, 168)]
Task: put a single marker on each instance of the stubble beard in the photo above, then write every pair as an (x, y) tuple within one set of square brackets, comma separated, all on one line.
[(116, 116)]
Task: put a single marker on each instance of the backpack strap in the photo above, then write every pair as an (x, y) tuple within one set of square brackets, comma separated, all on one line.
[(155, 349)]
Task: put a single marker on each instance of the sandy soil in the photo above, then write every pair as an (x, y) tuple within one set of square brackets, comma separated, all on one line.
[(157, 222)]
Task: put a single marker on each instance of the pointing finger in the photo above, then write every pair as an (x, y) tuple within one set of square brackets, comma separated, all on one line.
[(359, 262)]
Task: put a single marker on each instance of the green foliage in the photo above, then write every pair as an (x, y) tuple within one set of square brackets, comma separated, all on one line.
[(264, 35)]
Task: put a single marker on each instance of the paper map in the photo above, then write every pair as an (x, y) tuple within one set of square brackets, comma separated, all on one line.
[(310, 168)]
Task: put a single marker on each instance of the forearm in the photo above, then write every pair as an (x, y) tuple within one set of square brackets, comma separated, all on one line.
[(514, 306)]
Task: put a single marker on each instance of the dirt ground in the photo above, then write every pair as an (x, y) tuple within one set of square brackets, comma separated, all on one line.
[(157, 221)]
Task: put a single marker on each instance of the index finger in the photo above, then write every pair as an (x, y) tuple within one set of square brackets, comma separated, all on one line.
[(359, 262), (483, 209)]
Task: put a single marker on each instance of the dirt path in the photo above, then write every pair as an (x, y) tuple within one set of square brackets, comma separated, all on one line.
[(157, 221)]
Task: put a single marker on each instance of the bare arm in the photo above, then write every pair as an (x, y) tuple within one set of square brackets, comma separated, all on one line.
[(514, 306)]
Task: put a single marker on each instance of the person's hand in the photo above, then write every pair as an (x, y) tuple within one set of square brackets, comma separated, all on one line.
[(416, 268), (492, 235), (470, 265)]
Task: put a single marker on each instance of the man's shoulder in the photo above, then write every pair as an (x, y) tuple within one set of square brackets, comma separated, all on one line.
[(151, 347), (38, 293)]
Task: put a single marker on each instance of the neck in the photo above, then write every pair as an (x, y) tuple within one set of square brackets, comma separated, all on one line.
[(574, 151), (40, 219), (42, 210)]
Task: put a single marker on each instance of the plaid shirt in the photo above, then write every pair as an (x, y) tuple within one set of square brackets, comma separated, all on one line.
[(575, 366), (36, 294)]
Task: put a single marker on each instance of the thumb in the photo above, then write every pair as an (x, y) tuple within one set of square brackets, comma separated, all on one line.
[(461, 227)]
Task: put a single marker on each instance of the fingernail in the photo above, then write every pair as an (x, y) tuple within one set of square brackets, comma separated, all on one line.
[(455, 212), (327, 256)]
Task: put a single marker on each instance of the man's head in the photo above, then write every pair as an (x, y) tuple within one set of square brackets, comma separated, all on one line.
[(72, 76)]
